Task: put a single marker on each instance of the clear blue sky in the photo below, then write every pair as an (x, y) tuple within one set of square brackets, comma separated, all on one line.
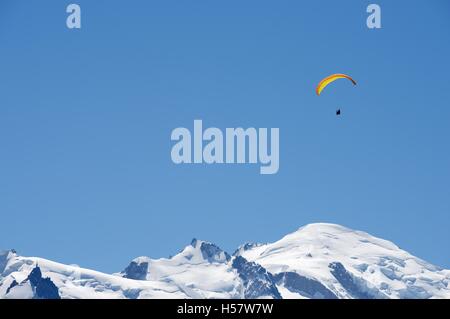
[(86, 116)]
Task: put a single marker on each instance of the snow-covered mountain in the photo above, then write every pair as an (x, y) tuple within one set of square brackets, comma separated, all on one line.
[(316, 261)]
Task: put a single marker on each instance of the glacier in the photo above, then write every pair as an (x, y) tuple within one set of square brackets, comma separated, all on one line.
[(318, 261)]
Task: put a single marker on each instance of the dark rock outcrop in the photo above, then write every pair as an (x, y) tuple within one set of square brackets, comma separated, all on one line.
[(44, 288), (258, 282), (304, 286), (137, 271)]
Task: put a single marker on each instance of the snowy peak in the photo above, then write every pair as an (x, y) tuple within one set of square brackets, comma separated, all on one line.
[(351, 264), (200, 270), (210, 252), (196, 253), (316, 261)]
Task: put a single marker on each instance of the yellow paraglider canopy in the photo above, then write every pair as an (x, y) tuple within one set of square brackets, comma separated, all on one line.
[(330, 79)]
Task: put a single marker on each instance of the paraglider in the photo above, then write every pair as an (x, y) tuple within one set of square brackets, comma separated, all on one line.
[(329, 79)]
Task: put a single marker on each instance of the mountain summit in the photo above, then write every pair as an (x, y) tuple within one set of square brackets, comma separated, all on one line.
[(316, 261)]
